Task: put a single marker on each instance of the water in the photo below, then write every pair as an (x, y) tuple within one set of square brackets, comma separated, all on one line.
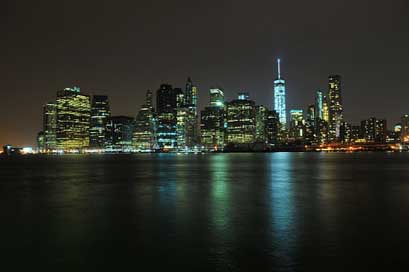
[(210, 212)]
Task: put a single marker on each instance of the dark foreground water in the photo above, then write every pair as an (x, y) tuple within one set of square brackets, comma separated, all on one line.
[(212, 212)]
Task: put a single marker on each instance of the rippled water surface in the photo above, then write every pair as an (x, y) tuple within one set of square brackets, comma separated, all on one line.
[(209, 212)]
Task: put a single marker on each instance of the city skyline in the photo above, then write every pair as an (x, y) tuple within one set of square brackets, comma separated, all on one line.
[(77, 122), (367, 45), (202, 104)]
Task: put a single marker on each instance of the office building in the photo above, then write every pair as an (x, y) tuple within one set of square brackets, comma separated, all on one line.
[(261, 122), (310, 125), (345, 133), (335, 107), (272, 127), (405, 128), (212, 122), (168, 100), (297, 125), (41, 142), (50, 126), (73, 119), (187, 119), (145, 126), (241, 120), (120, 133), (319, 104), (374, 130), (216, 97), (100, 114), (325, 109)]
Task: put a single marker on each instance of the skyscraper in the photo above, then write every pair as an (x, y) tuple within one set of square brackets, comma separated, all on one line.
[(310, 124), (168, 100), (325, 109), (41, 142), (272, 127), (405, 128), (73, 119), (216, 97), (241, 120), (279, 98), (187, 120), (212, 120), (144, 131), (345, 133), (261, 121), (319, 105), (374, 130), (297, 124), (120, 131), (50, 126), (335, 107), (100, 114)]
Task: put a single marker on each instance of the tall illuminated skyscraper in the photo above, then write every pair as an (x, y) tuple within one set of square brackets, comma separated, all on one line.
[(50, 126), (241, 120), (73, 119), (100, 114), (168, 100), (325, 109), (319, 105), (144, 130), (279, 97), (335, 106), (212, 120)]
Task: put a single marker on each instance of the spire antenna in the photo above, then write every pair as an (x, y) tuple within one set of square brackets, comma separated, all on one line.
[(279, 70)]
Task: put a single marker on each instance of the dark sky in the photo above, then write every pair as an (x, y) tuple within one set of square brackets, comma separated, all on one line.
[(122, 48)]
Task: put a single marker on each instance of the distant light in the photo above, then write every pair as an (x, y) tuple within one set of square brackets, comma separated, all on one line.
[(27, 150)]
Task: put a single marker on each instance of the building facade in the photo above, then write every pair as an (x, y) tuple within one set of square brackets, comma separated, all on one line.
[(168, 100), (144, 134), (374, 130), (297, 125), (241, 121), (50, 126), (73, 119), (120, 133), (335, 107), (261, 122), (405, 128), (212, 122), (100, 114), (280, 98), (272, 128)]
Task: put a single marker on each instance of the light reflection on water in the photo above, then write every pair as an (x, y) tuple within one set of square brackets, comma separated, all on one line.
[(283, 207), (212, 212)]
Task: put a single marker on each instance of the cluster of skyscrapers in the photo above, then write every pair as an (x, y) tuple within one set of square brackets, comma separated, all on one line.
[(77, 122)]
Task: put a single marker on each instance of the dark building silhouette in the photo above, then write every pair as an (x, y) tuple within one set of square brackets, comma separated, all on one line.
[(50, 126), (272, 127), (120, 132), (168, 100), (144, 131), (374, 130), (100, 114)]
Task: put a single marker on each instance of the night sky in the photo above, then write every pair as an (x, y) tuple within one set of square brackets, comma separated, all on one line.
[(123, 48)]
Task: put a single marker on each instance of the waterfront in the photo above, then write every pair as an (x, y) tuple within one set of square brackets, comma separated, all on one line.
[(208, 212)]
